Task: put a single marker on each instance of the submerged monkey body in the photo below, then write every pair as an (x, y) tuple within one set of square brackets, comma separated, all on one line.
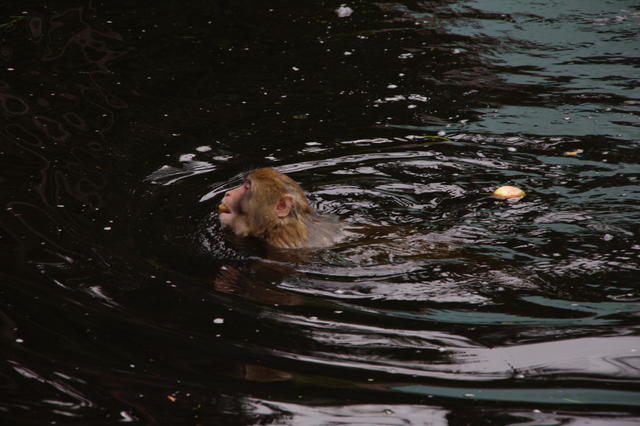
[(271, 206)]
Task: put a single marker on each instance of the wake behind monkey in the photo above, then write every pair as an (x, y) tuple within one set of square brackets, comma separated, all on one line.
[(271, 206)]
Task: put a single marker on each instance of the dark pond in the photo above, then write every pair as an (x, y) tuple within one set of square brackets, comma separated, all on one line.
[(123, 301)]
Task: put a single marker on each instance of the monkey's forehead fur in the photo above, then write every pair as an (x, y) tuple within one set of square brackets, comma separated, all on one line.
[(266, 174)]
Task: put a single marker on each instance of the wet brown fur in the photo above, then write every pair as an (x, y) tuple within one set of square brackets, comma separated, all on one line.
[(275, 209)]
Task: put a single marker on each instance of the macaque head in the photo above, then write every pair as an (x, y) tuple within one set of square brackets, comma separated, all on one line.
[(268, 205)]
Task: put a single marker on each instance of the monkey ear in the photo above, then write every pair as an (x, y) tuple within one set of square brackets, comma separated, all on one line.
[(283, 207)]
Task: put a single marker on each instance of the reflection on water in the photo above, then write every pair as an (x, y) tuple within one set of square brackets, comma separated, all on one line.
[(123, 300), (571, 66)]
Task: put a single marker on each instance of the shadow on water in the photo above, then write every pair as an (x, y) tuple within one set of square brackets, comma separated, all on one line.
[(123, 300)]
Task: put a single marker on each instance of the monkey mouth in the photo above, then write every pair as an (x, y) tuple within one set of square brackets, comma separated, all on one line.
[(224, 209)]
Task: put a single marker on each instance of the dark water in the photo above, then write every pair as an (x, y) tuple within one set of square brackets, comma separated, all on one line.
[(123, 301)]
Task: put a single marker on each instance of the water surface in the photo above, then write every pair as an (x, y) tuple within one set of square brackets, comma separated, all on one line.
[(123, 300)]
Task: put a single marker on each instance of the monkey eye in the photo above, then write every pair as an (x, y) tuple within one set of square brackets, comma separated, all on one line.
[(247, 184)]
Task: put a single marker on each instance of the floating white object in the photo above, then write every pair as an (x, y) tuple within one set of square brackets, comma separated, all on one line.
[(508, 192), (344, 11)]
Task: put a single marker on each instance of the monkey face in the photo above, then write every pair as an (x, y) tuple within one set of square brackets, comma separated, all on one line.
[(231, 206), (271, 206)]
